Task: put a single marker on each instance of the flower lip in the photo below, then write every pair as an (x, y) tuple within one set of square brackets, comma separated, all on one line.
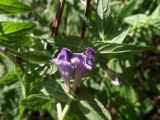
[(89, 52), (85, 59), (115, 80), (65, 55)]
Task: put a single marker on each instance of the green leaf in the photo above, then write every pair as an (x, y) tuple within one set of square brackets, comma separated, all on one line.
[(120, 38), (10, 70), (73, 117), (104, 110), (35, 102), (129, 93), (91, 107), (103, 20), (54, 90), (115, 50), (156, 12), (15, 28), (128, 9), (52, 69), (155, 23), (147, 105), (136, 19), (13, 7), (15, 41), (10, 77), (103, 9), (34, 57), (71, 42)]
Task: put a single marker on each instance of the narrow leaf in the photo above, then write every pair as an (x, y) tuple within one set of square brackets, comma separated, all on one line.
[(103, 9), (35, 102), (15, 41), (34, 57), (156, 12), (13, 7), (103, 20), (14, 28), (115, 50), (120, 38)]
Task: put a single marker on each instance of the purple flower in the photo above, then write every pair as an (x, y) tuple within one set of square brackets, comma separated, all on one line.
[(67, 62), (114, 77), (83, 63), (2, 48), (63, 62), (89, 52)]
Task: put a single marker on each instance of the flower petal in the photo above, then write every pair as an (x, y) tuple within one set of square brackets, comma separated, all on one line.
[(84, 64), (2, 48), (65, 54), (89, 52), (115, 80), (65, 67)]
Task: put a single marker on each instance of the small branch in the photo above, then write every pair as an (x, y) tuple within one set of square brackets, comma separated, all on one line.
[(56, 22), (86, 12), (65, 24)]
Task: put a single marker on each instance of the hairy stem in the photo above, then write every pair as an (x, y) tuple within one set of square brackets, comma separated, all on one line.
[(59, 110), (66, 109)]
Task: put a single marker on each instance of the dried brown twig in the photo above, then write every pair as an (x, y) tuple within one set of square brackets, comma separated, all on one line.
[(86, 13), (56, 22)]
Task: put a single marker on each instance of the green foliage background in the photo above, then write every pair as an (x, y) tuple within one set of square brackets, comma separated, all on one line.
[(125, 35)]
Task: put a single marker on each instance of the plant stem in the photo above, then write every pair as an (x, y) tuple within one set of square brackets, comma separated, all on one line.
[(56, 22), (86, 13), (59, 110), (66, 109)]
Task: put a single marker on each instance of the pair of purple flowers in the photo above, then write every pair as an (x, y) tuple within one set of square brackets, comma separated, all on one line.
[(79, 63)]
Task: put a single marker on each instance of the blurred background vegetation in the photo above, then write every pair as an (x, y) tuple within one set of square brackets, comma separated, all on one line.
[(138, 96)]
